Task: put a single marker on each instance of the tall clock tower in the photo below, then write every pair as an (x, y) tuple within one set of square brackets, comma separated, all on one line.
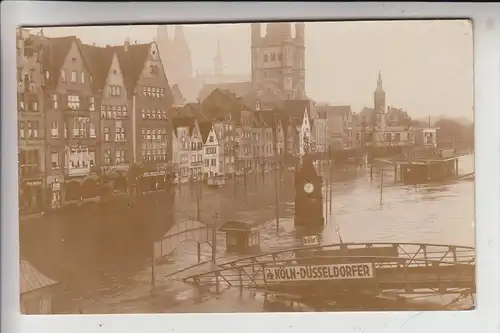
[(278, 59)]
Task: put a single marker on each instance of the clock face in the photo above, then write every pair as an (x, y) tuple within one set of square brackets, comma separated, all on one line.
[(308, 187)]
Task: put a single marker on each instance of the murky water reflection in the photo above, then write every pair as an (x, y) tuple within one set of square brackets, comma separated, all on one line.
[(106, 265)]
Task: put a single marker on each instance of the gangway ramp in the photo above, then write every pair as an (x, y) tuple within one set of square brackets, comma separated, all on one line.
[(368, 269)]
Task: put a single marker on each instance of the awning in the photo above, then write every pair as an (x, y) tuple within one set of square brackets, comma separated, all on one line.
[(31, 279)]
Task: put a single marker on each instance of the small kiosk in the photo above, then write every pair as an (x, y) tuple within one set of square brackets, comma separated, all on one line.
[(241, 237)]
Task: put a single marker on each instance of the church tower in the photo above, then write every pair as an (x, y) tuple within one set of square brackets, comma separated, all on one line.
[(218, 64), (175, 54), (379, 103), (278, 59)]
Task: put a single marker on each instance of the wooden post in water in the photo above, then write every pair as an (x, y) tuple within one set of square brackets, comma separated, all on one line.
[(214, 238), (330, 189), (198, 213), (198, 251), (277, 197), (381, 185), (153, 268)]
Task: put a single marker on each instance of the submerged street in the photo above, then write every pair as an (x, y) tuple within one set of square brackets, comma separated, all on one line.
[(102, 258)]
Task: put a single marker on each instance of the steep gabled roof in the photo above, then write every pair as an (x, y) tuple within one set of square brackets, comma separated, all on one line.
[(190, 110), (99, 60), (55, 51), (296, 108), (205, 128), (132, 58), (178, 97), (267, 118), (240, 89), (220, 103), (31, 279), (265, 99), (182, 121)]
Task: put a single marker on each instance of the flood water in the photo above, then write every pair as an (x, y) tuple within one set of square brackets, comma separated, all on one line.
[(103, 257)]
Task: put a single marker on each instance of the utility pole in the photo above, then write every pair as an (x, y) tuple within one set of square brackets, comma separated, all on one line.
[(275, 144), (198, 192), (233, 149), (214, 238)]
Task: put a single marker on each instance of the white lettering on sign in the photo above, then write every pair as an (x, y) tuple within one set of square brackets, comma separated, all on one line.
[(310, 240), (318, 272)]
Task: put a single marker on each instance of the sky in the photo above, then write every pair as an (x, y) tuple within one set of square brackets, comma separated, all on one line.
[(426, 66)]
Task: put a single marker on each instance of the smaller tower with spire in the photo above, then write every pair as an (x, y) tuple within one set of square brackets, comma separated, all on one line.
[(379, 102)]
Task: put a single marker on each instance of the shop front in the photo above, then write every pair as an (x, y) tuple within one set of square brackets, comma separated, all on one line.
[(81, 189), (31, 196), (153, 181)]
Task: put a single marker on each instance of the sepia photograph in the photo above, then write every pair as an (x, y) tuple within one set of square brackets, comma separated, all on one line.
[(250, 167)]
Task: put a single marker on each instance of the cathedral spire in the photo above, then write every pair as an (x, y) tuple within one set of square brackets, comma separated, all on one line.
[(379, 82), (179, 34), (218, 62)]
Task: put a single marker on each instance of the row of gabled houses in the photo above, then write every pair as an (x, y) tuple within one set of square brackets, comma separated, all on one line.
[(86, 114), (97, 122), (226, 134)]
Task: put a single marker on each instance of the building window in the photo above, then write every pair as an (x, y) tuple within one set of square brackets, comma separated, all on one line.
[(91, 103), (53, 99), (21, 129), (265, 57), (32, 76), (119, 131), (106, 133), (92, 158), (207, 162), (54, 158), (120, 156), (107, 157), (73, 76), (92, 130), (19, 74), (63, 75), (73, 102), (32, 129), (82, 77), (211, 138), (214, 162), (115, 91), (154, 70), (273, 56), (55, 129)]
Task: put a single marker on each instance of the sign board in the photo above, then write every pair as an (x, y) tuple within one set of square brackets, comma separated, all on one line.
[(310, 240), (34, 182), (318, 272), (153, 173)]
